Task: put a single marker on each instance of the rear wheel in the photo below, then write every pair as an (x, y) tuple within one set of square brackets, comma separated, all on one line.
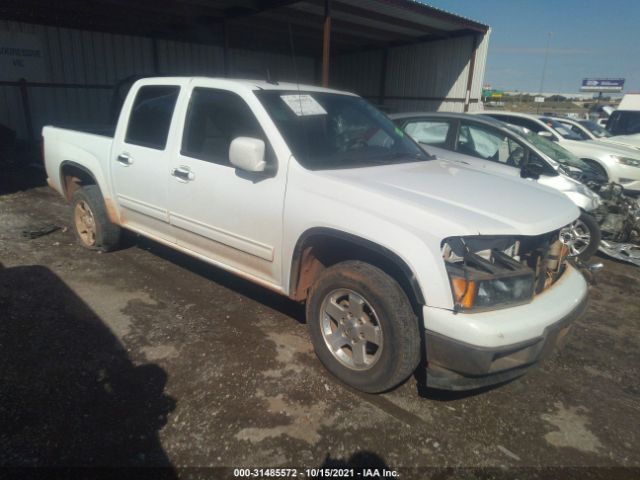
[(92, 227), (583, 237), (362, 326)]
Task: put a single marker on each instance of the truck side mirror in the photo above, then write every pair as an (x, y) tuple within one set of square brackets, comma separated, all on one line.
[(247, 154)]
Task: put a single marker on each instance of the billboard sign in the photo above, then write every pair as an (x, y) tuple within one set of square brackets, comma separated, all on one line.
[(602, 84)]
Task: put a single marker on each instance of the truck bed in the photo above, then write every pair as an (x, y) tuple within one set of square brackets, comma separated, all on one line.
[(89, 148), (104, 130)]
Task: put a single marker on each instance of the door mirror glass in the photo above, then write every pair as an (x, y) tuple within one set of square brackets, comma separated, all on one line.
[(247, 154)]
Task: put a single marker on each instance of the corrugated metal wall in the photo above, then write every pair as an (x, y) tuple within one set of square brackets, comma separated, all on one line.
[(478, 73), (95, 58), (434, 70)]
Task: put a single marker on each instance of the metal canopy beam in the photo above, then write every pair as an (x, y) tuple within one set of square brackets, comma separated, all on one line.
[(326, 43), (316, 21)]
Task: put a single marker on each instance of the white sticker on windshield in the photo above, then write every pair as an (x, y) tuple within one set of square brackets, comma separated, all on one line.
[(303, 105)]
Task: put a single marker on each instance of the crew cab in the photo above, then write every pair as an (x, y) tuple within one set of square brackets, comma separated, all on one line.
[(403, 260)]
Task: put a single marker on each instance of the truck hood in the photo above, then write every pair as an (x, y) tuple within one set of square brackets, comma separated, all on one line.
[(455, 198)]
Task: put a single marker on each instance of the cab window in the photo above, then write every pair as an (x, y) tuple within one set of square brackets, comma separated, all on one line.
[(150, 116), (214, 119)]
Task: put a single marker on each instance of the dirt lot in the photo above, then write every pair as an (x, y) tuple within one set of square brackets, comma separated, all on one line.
[(147, 357)]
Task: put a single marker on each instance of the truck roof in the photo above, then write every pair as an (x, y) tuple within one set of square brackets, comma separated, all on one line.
[(251, 84)]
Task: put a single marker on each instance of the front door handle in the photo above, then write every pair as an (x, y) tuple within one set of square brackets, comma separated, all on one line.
[(183, 174), (125, 159)]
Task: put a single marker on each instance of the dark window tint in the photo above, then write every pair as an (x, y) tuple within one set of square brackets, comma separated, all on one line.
[(150, 116), (624, 122), (429, 131), (214, 119)]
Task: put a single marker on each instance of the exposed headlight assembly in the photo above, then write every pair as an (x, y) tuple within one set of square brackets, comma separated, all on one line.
[(630, 162), (485, 273)]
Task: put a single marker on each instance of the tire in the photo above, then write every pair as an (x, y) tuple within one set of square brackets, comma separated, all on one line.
[(585, 226), (376, 313), (597, 168), (90, 222)]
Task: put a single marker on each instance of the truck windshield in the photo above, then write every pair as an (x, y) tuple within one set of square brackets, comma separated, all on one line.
[(329, 130)]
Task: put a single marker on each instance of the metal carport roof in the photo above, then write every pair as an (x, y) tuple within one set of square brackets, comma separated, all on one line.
[(255, 24)]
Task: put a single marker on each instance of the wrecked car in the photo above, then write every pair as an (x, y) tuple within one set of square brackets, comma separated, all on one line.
[(502, 149)]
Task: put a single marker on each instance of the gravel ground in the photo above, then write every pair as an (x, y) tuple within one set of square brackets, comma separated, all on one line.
[(145, 357)]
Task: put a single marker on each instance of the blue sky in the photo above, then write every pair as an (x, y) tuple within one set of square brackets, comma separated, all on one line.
[(599, 38)]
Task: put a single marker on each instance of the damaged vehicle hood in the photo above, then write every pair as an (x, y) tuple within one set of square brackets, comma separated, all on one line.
[(455, 198)]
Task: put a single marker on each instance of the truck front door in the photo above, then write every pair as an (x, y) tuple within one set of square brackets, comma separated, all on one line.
[(232, 217)]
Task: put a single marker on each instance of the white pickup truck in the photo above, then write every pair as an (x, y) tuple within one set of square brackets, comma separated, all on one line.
[(404, 260)]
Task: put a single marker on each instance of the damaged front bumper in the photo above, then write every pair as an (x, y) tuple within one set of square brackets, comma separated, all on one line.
[(468, 351)]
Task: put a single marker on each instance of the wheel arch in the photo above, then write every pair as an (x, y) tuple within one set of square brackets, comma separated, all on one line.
[(74, 176), (599, 163), (321, 247)]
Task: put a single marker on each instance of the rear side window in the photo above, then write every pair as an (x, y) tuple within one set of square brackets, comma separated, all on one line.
[(214, 119), (430, 132), (151, 115)]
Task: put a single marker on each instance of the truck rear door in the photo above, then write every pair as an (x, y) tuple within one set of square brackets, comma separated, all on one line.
[(140, 157)]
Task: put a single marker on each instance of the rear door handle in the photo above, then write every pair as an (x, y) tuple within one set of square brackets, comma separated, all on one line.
[(125, 159), (183, 174)]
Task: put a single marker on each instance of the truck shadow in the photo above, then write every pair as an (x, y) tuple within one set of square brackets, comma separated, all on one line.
[(70, 396), (228, 280)]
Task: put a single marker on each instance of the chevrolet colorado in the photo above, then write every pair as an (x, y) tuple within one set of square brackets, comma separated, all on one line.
[(404, 260)]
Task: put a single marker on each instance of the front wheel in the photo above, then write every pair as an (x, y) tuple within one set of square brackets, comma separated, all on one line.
[(362, 326), (584, 237)]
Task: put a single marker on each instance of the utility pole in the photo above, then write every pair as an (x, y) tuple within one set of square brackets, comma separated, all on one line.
[(544, 67)]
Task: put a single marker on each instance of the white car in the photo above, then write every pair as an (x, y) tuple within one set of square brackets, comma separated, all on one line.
[(496, 147), (316, 195), (616, 163), (585, 129), (589, 130)]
